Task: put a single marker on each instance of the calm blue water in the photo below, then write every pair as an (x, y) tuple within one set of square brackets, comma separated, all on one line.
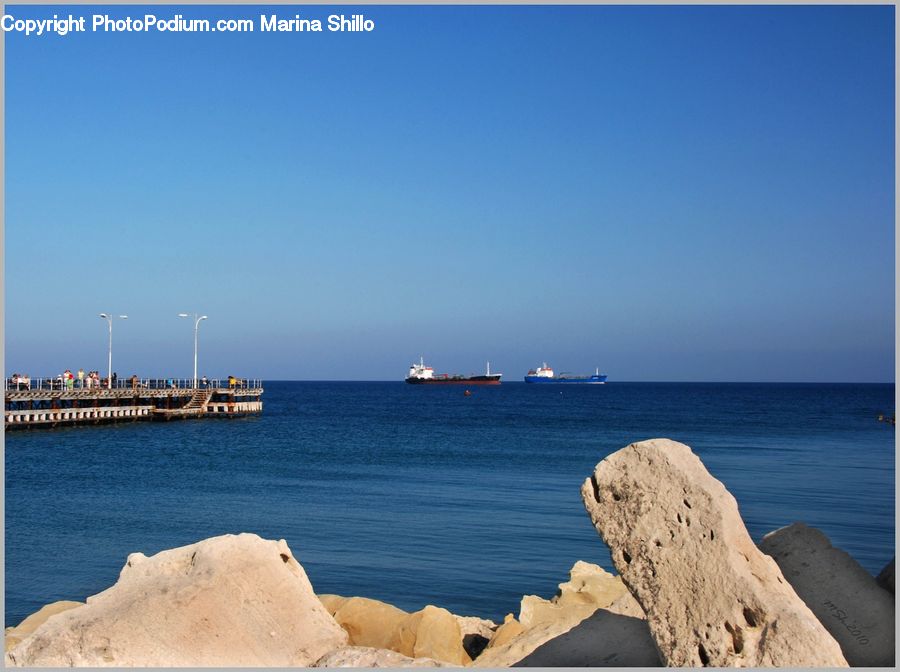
[(418, 495)]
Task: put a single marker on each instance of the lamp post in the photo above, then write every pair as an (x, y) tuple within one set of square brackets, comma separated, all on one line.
[(196, 328), (109, 319)]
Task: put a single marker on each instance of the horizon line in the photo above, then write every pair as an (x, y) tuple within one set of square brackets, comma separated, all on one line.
[(627, 382)]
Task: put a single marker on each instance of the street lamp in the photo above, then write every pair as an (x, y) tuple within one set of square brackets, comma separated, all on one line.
[(109, 318), (196, 327)]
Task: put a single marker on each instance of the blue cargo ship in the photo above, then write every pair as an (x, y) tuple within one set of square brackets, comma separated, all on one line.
[(544, 374)]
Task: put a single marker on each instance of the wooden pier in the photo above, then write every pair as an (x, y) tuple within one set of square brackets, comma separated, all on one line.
[(52, 406)]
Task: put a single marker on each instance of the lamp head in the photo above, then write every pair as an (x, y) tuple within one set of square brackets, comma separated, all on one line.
[(104, 316), (204, 318), (182, 315), (124, 317)]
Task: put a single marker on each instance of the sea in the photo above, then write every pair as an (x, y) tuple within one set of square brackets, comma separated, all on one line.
[(418, 495)]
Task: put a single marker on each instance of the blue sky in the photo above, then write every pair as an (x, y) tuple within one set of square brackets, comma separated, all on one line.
[(668, 193)]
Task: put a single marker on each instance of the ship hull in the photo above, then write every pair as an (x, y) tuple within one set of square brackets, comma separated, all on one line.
[(580, 380), (456, 380)]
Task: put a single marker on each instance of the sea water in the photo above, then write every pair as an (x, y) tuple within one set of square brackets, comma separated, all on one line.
[(420, 494)]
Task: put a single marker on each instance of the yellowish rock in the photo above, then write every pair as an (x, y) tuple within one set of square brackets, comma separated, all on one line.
[(16, 634), (332, 602), (511, 645), (589, 588), (590, 584), (430, 633), (369, 623), (508, 630)]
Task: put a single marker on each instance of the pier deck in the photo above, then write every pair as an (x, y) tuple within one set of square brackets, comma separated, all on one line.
[(49, 407)]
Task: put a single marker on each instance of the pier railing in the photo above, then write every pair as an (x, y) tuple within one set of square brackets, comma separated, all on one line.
[(57, 383)]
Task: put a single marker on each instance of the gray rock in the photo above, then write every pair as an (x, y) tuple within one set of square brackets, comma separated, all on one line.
[(845, 597), (604, 639), (885, 577), (710, 596)]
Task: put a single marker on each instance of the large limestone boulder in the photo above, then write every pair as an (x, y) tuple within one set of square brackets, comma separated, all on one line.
[(432, 632), (845, 598), (710, 596), (238, 601), (30, 624), (361, 656)]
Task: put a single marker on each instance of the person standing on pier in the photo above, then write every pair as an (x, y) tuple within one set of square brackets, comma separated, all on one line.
[(81, 378)]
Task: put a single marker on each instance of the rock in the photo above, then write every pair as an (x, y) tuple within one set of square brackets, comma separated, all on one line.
[(590, 584), (476, 633), (710, 596), (30, 624), (508, 630), (627, 606), (473, 625), (238, 601), (430, 633), (844, 597), (589, 588), (534, 611), (332, 602), (574, 629), (885, 577), (507, 649), (604, 639), (369, 623), (362, 656)]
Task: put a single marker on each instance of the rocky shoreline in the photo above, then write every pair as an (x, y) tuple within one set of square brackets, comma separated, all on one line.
[(692, 590)]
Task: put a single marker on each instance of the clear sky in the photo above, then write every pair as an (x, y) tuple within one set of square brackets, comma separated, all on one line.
[(668, 193)]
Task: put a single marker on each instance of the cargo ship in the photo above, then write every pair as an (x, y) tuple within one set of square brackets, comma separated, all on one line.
[(544, 374), (419, 374)]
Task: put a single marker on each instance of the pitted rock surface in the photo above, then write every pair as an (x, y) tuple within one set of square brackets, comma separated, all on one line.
[(710, 596)]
